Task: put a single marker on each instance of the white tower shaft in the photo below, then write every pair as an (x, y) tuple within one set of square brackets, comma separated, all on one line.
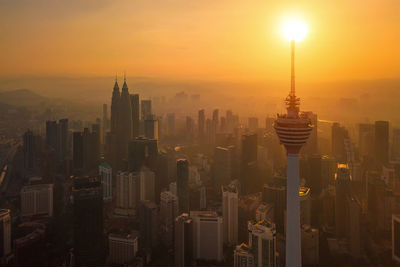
[(293, 238)]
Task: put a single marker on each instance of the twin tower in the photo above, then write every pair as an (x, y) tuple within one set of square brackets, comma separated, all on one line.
[(124, 123)]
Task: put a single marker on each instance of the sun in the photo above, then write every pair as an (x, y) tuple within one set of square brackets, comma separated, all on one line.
[(294, 29)]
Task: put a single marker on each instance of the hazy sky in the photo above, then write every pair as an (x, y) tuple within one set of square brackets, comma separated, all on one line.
[(207, 39)]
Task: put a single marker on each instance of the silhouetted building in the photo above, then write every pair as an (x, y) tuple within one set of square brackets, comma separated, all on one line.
[(168, 213), (105, 173), (396, 238), (142, 152), (339, 134), (201, 125), (5, 235), (151, 127), (182, 183), (230, 214), (88, 222), (183, 241), (343, 189), (148, 225), (382, 141), (249, 164), (51, 134), (135, 115), (124, 123), (146, 108)]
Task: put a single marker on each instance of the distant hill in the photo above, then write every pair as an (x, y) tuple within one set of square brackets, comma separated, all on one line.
[(22, 97)]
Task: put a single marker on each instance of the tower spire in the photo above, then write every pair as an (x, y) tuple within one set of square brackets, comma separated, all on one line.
[(292, 102)]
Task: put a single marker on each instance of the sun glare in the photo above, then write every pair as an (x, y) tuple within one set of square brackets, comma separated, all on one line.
[(294, 30)]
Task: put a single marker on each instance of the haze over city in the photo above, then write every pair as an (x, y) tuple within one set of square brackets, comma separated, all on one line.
[(199, 133)]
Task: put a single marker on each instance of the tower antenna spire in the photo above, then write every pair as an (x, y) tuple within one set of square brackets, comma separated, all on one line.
[(124, 76)]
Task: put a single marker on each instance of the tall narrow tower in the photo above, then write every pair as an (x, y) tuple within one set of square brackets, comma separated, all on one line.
[(293, 130), (124, 121)]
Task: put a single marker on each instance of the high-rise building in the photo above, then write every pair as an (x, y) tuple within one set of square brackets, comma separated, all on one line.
[(142, 152), (62, 139), (262, 241), (201, 124), (342, 188), (122, 248), (168, 213), (127, 193), (105, 173), (183, 241), (29, 150), (248, 164), (242, 256), (275, 194), (339, 134), (88, 221), (124, 122), (223, 165), (146, 108), (151, 127), (207, 235), (147, 184), (310, 245), (182, 184), (148, 216), (189, 128), (215, 120), (37, 200), (104, 123), (171, 124), (395, 155), (382, 141), (51, 134), (353, 227), (396, 238), (135, 115), (77, 150), (230, 214), (5, 235), (115, 101), (293, 130)]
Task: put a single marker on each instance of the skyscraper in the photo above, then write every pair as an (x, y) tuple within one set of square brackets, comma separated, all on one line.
[(135, 115), (37, 200), (248, 163), (104, 123), (88, 222), (339, 134), (207, 235), (146, 108), (382, 141), (293, 130), (230, 214), (342, 188), (396, 237), (366, 139), (127, 193), (182, 183), (168, 213), (105, 173), (115, 100), (201, 124), (124, 122), (183, 240), (262, 241), (148, 216), (151, 127), (5, 234), (222, 168), (242, 256)]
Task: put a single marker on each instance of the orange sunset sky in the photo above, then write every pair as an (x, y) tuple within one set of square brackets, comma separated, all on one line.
[(226, 39)]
